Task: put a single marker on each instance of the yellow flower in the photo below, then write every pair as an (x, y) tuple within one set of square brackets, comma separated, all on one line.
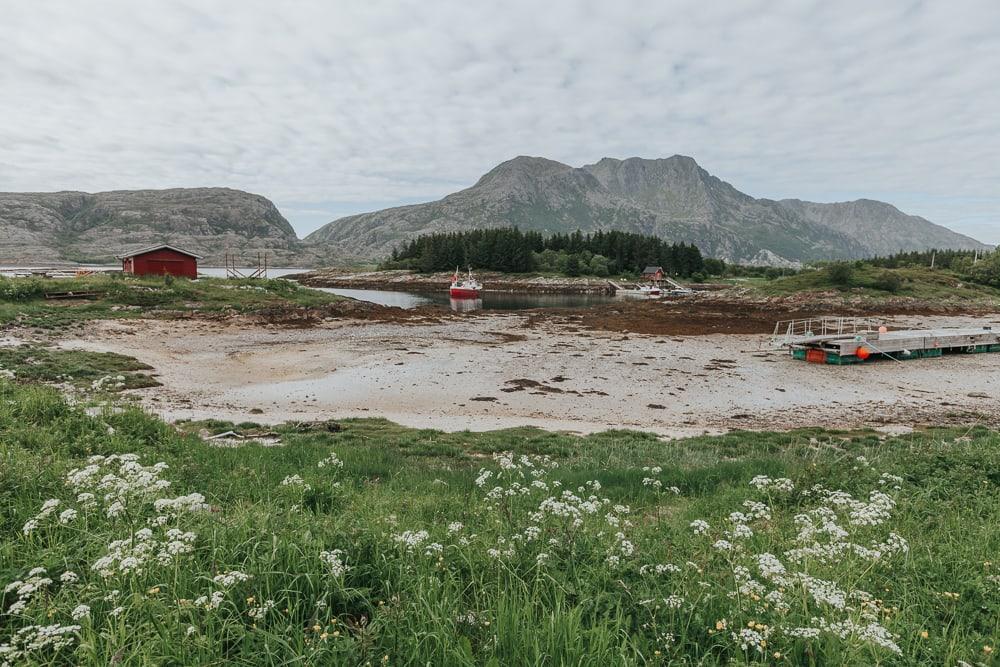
[(923, 634), (154, 590), (777, 655), (336, 633), (316, 628), (987, 649), (720, 625), (250, 600)]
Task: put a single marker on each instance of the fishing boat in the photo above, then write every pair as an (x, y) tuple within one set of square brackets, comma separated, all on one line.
[(637, 290), (465, 288)]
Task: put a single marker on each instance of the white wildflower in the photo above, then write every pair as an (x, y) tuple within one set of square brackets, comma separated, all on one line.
[(331, 461), (334, 561), (699, 526), (231, 578)]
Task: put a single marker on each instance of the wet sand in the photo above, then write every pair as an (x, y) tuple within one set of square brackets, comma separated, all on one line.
[(489, 372)]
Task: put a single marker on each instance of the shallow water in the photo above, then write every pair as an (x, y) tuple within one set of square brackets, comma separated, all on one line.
[(488, 301)]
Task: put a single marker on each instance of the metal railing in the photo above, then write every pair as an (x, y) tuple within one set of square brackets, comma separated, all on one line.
[(789, 332)]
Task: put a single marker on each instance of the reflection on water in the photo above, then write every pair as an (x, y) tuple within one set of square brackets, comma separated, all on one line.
[(488, 300), (466, 305), (382, 297)]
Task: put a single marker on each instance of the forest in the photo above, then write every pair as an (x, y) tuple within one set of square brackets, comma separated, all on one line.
[(511, 250)]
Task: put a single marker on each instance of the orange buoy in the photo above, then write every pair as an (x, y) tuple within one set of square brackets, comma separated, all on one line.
[(863, 353)]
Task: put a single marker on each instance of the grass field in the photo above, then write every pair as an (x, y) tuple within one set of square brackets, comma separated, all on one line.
[(74, 368), (931, 285), (126, 540), (22, 300)]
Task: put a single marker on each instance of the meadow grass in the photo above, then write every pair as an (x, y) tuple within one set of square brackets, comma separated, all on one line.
[(378, 544), (22, 300), (922, 283), (74, 368)]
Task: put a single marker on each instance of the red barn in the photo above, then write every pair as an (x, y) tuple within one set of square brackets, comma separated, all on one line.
[(161, 260), (653, 273)]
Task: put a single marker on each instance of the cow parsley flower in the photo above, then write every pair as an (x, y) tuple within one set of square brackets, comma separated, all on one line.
[(229, 579), (334, 561), (295, 481), (699, 526), (332, 461)]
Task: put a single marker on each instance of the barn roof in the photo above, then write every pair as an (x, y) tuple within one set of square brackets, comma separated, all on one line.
[(161, 246), (652, 269)]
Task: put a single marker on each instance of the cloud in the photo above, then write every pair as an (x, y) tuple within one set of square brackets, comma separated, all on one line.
[(349, 106)]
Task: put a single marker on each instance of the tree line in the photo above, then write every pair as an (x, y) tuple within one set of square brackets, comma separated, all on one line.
[(511, 250)]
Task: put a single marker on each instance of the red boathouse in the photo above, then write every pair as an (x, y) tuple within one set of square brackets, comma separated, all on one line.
[(161, 260)]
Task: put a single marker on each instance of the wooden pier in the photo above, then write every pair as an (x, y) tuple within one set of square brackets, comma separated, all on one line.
[(863, 346)]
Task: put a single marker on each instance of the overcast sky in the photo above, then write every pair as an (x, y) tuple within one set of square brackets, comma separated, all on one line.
[(337, 107)]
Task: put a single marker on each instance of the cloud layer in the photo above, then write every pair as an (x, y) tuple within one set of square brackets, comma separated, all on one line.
[(337, 107)]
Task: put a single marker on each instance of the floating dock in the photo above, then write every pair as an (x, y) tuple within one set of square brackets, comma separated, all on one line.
[(863, 346)]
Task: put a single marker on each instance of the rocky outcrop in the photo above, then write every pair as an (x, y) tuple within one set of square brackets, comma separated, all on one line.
[(46, 228)]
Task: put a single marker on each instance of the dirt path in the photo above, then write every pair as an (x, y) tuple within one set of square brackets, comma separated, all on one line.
[(489, 372)]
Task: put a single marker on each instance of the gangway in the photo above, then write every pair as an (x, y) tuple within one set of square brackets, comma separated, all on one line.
[(793, 332)]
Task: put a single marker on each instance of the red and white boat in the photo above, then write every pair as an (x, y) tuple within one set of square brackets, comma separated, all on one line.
[(465, 288)]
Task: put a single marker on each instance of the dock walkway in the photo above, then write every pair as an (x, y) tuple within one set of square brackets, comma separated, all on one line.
[(899, 345)]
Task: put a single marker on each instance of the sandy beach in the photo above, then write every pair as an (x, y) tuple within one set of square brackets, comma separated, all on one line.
[(491, 372)]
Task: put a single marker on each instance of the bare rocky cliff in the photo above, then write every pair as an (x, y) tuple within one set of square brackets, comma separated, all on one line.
[(46, 228)]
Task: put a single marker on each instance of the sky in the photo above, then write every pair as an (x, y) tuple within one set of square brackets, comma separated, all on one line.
[(336, 107)]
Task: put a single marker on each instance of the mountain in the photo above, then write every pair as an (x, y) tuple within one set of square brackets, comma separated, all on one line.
[(42, 228), (673, 198)]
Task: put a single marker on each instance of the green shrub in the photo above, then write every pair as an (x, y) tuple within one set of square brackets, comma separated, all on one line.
[(840, 274), (887, 281), (20, 289)]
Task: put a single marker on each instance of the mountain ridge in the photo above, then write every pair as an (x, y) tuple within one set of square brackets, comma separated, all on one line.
[(674, 198), (671, 197), (71, 226)]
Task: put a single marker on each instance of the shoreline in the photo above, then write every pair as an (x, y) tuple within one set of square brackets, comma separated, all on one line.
[(408, 281), (476, 374)]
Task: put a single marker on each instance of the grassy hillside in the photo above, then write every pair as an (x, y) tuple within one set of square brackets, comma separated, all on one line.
[(23, 300), (125, 540), (939, 285)]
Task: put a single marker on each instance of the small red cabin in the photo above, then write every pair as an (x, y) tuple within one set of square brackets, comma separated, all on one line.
[(652, 273), (161, 260)]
